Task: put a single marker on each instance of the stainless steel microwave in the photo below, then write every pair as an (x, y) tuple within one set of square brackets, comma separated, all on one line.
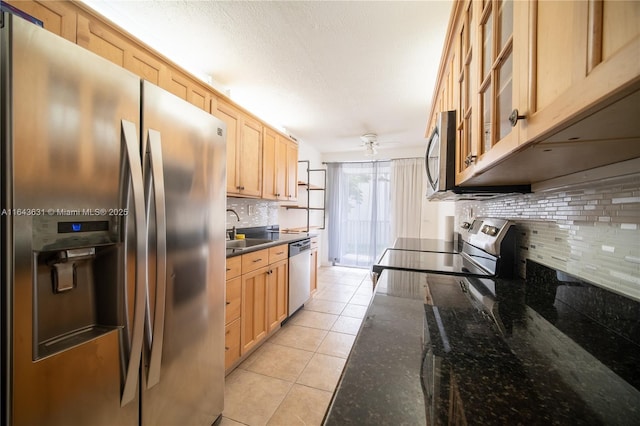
[(440, 155), (440, 163)]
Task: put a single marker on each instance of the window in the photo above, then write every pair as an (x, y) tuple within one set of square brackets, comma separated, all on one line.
[(359, 212)]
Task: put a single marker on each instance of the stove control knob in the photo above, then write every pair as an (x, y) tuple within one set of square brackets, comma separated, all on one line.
[(490, 230)]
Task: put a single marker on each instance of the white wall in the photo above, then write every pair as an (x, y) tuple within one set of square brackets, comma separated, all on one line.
[(433, 216)]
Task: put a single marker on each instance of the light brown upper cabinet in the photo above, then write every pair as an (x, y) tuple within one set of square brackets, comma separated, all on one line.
[(244, 151), (280, 167), (292, 170), (181, 85), (104, 40), (583, 55), (541, 88), (80, 26), (491, 69), (274, 174), (59, 17), (110, 44)]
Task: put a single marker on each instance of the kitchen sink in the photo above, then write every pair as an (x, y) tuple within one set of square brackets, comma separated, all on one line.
[(246, 243)]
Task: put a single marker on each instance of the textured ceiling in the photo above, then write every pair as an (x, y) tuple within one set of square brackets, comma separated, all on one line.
[(326, 71)]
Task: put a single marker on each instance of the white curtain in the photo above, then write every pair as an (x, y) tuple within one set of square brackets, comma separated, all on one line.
[(358, 210), (407, 193)]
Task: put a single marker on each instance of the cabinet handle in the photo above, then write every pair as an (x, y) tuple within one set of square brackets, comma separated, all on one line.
[(277, 195), (257, 260), (280, 252), (470, 159), (226, 348), (228, 269), (242, 188), (515, 116), (227, 332), (228, 303)]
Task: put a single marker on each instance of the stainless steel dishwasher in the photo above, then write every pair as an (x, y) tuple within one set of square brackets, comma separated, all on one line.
[(299, 274)]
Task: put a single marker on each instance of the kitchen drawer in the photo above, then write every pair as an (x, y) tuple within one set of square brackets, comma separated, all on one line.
[(233, 300), (231, 343), (278, 253), (234, 267), (314, 243), (255, 260)]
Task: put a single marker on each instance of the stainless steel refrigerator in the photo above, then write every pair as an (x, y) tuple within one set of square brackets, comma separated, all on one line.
[(113, 201)]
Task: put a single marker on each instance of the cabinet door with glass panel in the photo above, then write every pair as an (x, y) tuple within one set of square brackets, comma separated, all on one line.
[(583, 55), (493, 78), (464, 50)]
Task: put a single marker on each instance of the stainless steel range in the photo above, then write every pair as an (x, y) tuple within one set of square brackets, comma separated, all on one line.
[(450, 276), (453, 276), (487, 250)]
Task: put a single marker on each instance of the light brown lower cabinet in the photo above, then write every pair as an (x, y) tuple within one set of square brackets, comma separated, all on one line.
[(231, 343), (233, 299), (254, 308), (278, 293), (257, 296)]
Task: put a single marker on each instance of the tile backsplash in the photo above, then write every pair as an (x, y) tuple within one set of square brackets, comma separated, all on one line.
[(591, 231), (251, 212)]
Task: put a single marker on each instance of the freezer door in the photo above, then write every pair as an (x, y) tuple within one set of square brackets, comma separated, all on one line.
[(68, 112), (185, 157)]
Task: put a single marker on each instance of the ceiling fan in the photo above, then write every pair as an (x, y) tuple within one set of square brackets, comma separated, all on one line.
[(370, 143)]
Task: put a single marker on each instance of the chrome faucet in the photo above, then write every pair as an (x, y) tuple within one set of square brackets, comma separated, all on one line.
[(233, 229)]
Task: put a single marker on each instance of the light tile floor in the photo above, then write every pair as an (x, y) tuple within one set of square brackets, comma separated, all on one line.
[(290, 379)]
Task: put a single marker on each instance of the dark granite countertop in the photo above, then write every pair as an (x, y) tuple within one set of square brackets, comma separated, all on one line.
[(560, 352), (276, 238), (380, 383)]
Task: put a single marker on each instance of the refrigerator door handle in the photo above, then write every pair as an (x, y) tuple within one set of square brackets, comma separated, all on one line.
[(156, 175), (129, 136)]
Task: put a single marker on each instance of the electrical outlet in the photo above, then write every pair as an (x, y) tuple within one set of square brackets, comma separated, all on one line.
[(252, 210)]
